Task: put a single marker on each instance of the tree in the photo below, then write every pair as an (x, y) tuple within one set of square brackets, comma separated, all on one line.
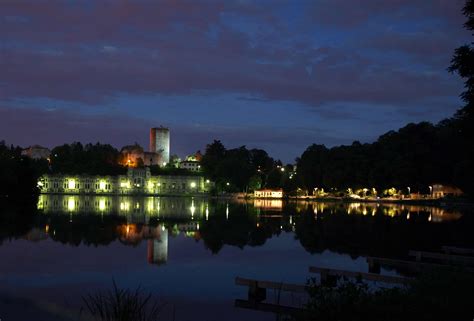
[(463, 64)]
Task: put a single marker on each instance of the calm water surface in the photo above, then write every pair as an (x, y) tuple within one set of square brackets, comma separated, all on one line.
[(189, 251)]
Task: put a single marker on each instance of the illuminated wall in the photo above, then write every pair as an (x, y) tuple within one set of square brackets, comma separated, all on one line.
[(160, 143), (138, 183)]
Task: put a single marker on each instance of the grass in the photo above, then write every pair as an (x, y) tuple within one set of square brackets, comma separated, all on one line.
[(123, 305)]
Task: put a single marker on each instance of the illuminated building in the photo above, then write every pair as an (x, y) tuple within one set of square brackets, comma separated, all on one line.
[(193, 166), (192, 162), (137, 181), (36, 152), (160, 143), (134, 155), (268, 193), (440, 191)]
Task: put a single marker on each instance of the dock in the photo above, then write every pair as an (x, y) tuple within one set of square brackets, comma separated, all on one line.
[(329, 276)]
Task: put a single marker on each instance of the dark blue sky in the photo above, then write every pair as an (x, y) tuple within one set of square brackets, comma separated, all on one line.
[(272, 74)]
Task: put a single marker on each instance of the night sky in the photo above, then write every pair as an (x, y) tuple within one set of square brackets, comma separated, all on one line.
[(278, 75)]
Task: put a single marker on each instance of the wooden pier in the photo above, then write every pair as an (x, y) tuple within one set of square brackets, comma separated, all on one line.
[(257, 292), (443, 258), (457, 250), (329, 276)]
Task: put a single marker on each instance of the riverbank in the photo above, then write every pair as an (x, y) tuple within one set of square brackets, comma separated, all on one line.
[(459, 203)]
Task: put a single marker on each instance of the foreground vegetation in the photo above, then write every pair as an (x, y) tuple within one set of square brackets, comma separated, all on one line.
[(435, 295)]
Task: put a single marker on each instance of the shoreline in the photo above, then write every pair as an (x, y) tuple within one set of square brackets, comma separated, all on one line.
[(446, 203)]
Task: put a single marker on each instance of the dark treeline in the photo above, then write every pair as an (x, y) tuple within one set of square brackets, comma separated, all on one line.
[(92, 159), (239, 169), (417, 155), (18, 174)]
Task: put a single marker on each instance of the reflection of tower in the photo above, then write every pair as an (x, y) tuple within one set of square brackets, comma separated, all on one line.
[(160, 143), (158, 249)]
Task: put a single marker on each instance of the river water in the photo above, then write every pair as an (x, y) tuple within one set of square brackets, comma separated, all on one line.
[(187, 252)]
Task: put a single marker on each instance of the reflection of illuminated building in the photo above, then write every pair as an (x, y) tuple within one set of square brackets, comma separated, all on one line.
[(268, 204), (137, 209), (158, 249)]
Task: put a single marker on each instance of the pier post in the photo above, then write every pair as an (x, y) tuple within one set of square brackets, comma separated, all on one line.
[(374, 267), (256, 294)]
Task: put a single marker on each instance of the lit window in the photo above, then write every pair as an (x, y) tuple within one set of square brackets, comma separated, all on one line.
[(102, 185), (71, 184)]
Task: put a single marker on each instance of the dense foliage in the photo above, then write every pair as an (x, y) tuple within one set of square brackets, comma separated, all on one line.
[(435, 295), (417, 155), (92, 159), (18, 174), (237, 169)]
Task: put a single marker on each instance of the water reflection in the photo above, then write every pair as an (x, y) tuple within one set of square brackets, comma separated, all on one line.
[(358, 229)]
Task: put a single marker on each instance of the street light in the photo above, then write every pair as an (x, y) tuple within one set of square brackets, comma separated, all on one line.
[(409, 189), (431, 190)]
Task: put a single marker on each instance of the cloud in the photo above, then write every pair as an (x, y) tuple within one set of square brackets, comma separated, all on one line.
[(92, 51)]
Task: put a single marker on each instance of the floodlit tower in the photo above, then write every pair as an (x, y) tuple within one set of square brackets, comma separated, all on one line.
[(157, 249), (160, 143)]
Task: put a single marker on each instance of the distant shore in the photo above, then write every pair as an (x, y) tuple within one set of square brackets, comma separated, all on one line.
[(442, 202)]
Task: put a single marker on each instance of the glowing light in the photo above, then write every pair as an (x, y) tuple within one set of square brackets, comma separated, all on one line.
[(71, 184), (125, 184), (207, 213), (208, 181), (102, 185), (46, 228), (193, 208), (197, 226), (125, 206), (40, 202), (150, 205), (227, 212), (282, 169), (193, 184), (40, 184), (102, 204), (71, 204), (227, 183)]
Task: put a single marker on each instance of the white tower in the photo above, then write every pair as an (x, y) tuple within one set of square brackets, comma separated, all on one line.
[(160, 143)]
